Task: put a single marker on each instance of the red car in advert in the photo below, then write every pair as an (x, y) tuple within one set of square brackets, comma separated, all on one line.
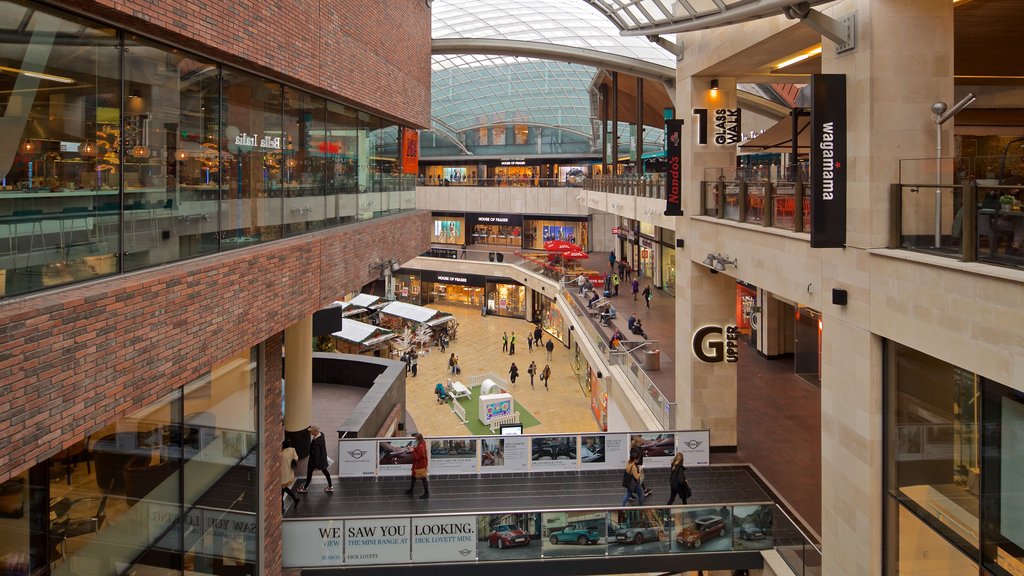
[(506, 536)]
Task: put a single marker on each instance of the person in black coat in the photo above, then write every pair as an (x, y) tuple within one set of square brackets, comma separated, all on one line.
[(317, 459), (677, 480), (513, 373)]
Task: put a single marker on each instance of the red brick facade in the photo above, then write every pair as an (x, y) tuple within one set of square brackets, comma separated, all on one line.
[(273, 436), (74, 359), (375, 55)]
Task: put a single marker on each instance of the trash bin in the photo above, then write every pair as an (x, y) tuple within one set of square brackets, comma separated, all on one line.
[(490, 256), (500, 256), (652, 360)]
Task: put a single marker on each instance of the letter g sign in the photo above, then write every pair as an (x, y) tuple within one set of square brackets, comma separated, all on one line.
[(716, 347)]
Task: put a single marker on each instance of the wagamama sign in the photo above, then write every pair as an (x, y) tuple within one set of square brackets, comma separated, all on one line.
[(828, 161)]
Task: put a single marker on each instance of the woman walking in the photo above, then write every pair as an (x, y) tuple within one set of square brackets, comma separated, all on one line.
[(289, 458), (452, 362), (647, 296), (317, 460), (532, 371), (677, 480), (631, 480), (419, 466), (513, 373), (545, 375)]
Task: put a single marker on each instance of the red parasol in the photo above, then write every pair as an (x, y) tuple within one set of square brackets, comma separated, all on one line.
[(560, 246), (575, 255)]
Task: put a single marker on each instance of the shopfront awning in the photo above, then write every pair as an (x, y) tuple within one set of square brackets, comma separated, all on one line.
[(360, 333), (364, 300), (779, 138), (411, 312)]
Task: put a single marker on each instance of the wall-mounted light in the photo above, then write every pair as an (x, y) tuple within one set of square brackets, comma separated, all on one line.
[(28, 146), (714, 85), (140, 151), (87, 149), (182, 155)]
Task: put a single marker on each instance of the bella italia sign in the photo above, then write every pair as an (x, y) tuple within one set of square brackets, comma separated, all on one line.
[(255, 141)]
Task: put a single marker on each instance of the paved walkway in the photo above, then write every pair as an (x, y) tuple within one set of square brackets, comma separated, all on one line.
[(563, 407)]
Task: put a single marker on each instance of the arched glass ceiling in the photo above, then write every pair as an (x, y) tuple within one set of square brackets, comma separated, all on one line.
[(563, 22), (470, 91)]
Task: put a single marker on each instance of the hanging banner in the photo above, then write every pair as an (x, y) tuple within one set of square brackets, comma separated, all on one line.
[(674, 177), (376, 541), (357, 458), (695, 446), (410, 151), (444, 539), (828, 161), (504, 454)]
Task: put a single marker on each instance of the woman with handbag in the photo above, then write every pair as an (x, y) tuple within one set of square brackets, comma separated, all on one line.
[(677, 480), (419, 466), (317, 460), (289, 458), (631, 480)]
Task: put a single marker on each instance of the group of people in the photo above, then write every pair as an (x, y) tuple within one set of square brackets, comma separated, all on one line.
[(535, 340), (544, 375), (633, 478), (319, 461), (411, 359)]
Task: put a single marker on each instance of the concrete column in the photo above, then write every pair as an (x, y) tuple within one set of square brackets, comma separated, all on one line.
[(298, 375), (903, 63)]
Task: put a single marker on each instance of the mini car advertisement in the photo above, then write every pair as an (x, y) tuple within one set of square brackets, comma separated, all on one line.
[(603, 451), (444, 539), (583, 533), (453, 456), (508, 536), (313, 543), (658, 448), (394, 456), (640, 532), (377, 541), (504, 454), (357, 458), (702, 530), (553, 452), (695, 446)]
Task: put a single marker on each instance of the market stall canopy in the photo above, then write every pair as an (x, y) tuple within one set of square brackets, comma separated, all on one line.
[(440, 320), (364, 300), (779, 138), (412, 312), (349, 309), (365, 334)]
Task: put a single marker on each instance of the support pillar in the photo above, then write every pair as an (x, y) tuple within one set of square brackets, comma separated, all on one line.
[(298, 381)]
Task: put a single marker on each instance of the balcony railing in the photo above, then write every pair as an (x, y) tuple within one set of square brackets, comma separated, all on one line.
[(651, 185), (765, 203), (975, 220)]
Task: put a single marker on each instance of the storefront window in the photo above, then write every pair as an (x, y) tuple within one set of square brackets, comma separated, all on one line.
[(253, 141), (449, 230), (933, 443), (551, 319), (60, 152), (668, 270), (1002, 473), (522, 133), (471, 296), (302, 164), (537, 232), (407, 288), (497, 235), (648, 258), (506, 300), (498, 135), (345, 155)]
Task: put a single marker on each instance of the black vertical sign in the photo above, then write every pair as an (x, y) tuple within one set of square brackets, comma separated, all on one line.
[(674, 176), (828, 161)]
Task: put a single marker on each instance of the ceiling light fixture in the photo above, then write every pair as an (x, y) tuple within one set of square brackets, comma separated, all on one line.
[(714, 85), (39, 75), (799, 58)]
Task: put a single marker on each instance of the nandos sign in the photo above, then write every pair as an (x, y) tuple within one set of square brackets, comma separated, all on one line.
[(713, 344)]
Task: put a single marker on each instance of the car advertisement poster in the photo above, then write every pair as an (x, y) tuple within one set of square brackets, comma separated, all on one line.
[(508, 537), (752, 528), (313, 543), (658, 448), (394, 456), (695, 446), (702, 530), (603, 451), (567, 534), (377, 541), (504, 454), (639, 532), (553, 452), (453, 456), (444, 539), (357, 458)]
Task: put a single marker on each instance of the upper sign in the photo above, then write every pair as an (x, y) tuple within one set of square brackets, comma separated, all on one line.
[(674, 177)]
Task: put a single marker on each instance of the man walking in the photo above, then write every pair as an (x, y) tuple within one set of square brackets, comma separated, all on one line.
[(504, 341), (532, 371), (512, 345), (550, 347), (635, 285), (615, 284), (545, 375), (317, 460), (529, 342), (647, 296)]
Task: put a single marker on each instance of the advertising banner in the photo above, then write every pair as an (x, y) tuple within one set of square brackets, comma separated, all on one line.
[(505, 454), (659, 448), (508, 536), (357, 458), (554, 452), (695, 446), (674, 176), (410, 151), (394, 456), (444, 539), (603, 451), (377, 541), (828, 161), (312, 543), (453, 456)]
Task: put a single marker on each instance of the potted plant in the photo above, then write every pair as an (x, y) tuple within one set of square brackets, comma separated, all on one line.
[(1006, 201)]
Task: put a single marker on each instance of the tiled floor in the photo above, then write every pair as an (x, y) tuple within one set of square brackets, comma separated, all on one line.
[(563, 407)]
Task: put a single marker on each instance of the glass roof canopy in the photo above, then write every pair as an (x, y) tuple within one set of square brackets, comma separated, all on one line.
[(643, 17), (472, 91)]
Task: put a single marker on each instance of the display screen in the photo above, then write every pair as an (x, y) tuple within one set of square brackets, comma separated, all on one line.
[(511, 429)]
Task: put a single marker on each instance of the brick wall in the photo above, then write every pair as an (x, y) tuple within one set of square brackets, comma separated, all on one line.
[(74, 359), (373, 54), (273, 436)]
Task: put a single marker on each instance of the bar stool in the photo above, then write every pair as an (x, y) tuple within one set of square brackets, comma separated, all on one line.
[(70, 217), (32, 216)]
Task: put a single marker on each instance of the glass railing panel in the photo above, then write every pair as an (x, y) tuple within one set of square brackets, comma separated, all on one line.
[(783, 206), (755, 201), (711, 198), (927, 217)]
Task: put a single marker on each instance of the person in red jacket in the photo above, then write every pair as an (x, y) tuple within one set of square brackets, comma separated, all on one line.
[(419, 466)]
